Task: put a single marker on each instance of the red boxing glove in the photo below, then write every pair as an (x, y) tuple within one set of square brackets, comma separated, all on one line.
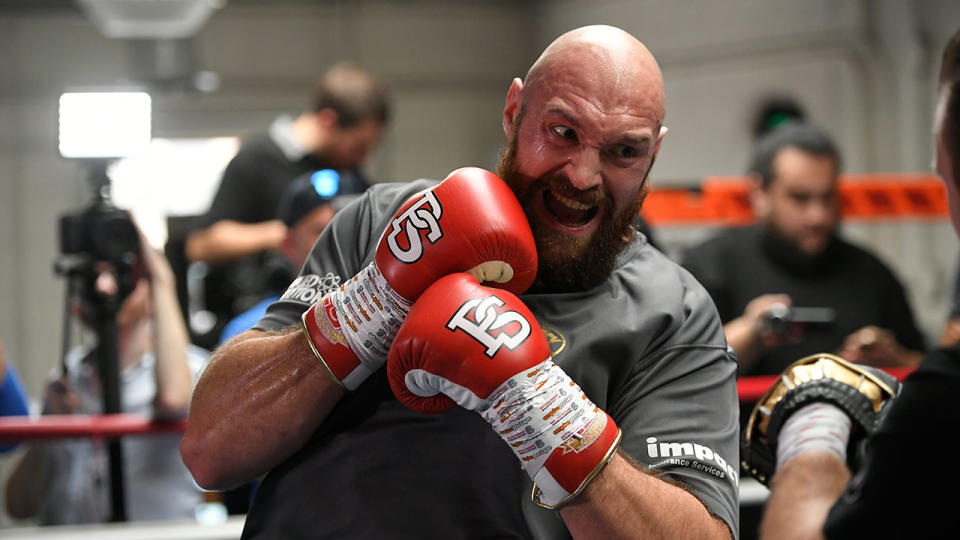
[(470, 222), (483, 349)]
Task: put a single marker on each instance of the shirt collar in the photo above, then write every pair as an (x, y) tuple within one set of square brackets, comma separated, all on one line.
[(281, 133)]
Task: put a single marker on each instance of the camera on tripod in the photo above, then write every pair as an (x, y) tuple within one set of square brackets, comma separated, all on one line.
[(96, 128), (102, 232)]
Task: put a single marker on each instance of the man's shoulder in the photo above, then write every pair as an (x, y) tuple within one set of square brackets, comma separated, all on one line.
[(667, 294), (942, 363), (395, 189), (861, 257), (651, 271), (728, 239), (386, 197), (257, 146), (712, 260)]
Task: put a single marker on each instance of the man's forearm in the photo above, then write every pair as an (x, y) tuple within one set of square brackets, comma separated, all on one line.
[(257, 403), (227, 240), (625, 502), (170, 340), (801, 494)]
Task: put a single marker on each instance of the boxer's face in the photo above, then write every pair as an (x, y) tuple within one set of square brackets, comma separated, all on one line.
[(577, 156), (801, 202)]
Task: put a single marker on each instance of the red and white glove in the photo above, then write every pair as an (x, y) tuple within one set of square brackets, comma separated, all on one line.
[(483, 349), (470, 222)]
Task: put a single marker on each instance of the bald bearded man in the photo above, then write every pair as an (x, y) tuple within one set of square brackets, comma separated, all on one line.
[(637, 338)]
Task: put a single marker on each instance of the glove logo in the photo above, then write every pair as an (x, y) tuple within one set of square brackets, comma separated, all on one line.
[(488, 326), (328, 323), (424, 214)]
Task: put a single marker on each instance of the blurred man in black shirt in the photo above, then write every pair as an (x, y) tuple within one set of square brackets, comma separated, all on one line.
[(793, 258)]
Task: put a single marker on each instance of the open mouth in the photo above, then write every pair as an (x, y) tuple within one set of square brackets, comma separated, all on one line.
[(566, 211)]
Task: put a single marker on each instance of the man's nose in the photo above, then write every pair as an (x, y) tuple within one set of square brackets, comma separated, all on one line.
[(583, 169), (819, 212)]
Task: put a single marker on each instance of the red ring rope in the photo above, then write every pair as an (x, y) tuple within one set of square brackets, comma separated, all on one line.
[(19, 428)]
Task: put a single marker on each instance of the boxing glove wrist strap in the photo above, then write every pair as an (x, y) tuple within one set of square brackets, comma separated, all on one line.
[(541, 411), (350, 330)]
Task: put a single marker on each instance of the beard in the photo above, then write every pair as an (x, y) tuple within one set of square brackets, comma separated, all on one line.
[(568, 263)]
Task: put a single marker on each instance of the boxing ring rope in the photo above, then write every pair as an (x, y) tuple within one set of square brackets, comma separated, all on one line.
[(21, 428)]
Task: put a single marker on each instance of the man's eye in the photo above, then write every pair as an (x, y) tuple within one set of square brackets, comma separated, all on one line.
[(624, 151), (565, 132)]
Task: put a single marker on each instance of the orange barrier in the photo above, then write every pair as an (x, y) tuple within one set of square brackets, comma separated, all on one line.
[(726, 200)]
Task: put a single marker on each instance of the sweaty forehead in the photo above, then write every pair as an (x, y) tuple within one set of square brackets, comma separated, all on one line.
[(610, 81), (584, 99)]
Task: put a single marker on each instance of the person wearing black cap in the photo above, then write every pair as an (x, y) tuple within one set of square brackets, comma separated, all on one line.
[(306, 207)]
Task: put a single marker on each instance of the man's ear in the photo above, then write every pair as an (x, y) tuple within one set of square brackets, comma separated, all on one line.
[(512, 107), (759, 202), (660, 136)]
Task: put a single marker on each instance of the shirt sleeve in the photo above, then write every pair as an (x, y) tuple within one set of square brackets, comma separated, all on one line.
[(344, 247), (238, 189), (678, 406), (680, 418), (13, 400), (339, 254)]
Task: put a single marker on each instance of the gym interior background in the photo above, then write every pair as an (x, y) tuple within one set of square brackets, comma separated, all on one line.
[(864, 69)]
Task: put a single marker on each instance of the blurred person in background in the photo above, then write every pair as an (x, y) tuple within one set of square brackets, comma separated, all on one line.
[(306, 207), (68, 481), (772, 111), (350, 111), (349, 114), (793, 257)]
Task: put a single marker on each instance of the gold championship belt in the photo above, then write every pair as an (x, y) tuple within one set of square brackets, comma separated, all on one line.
[(862, 392)]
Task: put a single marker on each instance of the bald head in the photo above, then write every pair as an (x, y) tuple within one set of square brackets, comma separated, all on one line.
[(583, 130), (607, 61)]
